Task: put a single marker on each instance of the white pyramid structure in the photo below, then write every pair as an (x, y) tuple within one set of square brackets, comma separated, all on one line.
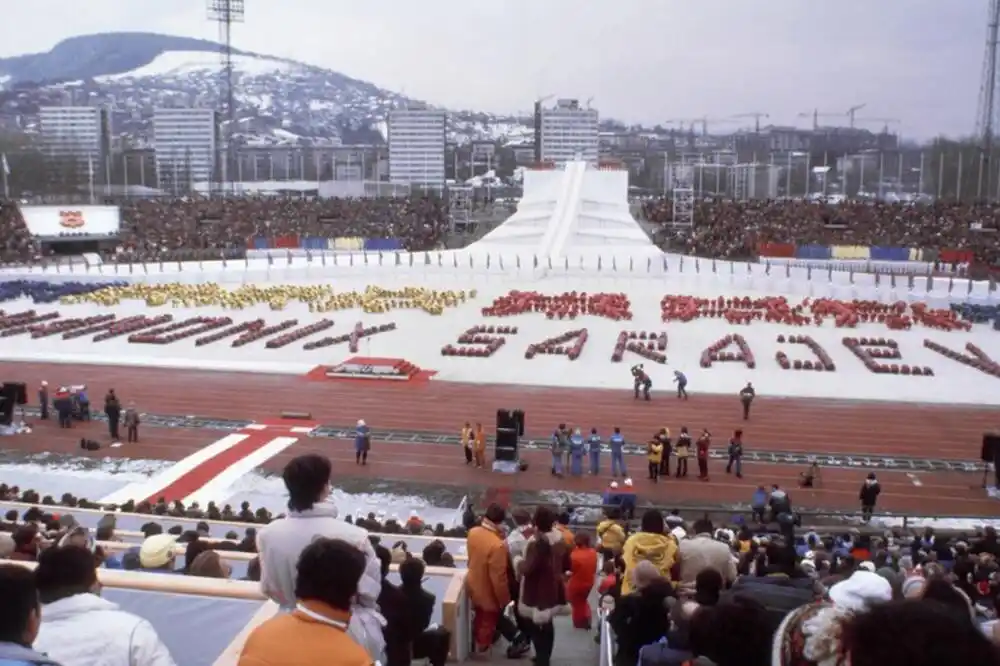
[(578, 212)]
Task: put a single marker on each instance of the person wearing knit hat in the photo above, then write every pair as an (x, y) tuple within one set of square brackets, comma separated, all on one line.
[(157, 552), (860, 591)]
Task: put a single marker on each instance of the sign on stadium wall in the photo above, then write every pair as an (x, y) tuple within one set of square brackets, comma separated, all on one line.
[(48, 221)]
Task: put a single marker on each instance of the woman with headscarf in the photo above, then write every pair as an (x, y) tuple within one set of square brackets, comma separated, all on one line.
[(641, 617), (543, 592)]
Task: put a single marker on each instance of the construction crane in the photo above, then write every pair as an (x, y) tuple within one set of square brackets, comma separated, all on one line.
[(816, 114), (703, 121), (756, 115), (853, 110), (885, 122)]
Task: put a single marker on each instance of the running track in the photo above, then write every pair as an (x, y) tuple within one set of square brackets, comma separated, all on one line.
[(824, 426)]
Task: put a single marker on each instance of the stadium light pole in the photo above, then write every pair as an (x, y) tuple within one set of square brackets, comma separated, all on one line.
[(226, 13)]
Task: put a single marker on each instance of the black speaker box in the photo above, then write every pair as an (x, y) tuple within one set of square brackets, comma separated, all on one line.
[(518, 415), (991, 447), (506, 446), (16, 392)]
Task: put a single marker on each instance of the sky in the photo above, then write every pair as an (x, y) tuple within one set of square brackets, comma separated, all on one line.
[(642, 61)]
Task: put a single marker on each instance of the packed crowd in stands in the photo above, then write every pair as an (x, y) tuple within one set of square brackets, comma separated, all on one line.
[(16, 244), (159, 229), (674, 592), (734, 229), (151, 227)]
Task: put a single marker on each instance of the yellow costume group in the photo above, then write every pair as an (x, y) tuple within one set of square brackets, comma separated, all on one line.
[(320, 298)]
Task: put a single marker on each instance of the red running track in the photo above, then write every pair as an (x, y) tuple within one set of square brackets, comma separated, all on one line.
[(821, 426)]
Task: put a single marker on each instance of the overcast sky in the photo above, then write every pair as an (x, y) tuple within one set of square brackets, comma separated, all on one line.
[(641, 60)]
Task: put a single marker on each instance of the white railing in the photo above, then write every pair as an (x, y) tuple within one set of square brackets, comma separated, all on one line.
[(607, 650)]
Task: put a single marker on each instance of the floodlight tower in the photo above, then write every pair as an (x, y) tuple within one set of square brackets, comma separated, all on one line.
[(986, 119), (226, 13)]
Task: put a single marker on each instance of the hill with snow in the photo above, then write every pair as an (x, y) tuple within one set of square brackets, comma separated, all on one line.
[(133, 73)]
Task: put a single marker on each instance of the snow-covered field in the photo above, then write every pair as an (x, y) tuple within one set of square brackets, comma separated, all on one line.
[(419, 338), (85, 480)]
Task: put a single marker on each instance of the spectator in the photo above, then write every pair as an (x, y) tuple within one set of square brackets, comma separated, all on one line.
[(543, 594), (641, 617), (583, 560), (735, 632), (79, 628), (781, 587), (431, 643), (26, 539), (6, 545), (704, 552), (649, 544), (307, 479), (20, 617), (392, 605), (486, 581), (157, 553), (209, 564), (315, 633)]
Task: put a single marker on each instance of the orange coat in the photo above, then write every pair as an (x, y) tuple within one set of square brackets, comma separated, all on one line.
[(295, 639), (480, 444), (583, 571), (567, 535), (486, 580)]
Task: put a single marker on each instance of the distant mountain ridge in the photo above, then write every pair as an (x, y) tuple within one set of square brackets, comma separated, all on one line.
[(91, 56), (279, 100)]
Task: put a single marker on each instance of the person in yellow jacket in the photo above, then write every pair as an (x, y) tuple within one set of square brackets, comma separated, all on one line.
[(651, 544), (654, 454), (611, 534)]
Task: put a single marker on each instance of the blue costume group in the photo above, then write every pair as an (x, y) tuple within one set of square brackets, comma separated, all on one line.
[(580, 451)]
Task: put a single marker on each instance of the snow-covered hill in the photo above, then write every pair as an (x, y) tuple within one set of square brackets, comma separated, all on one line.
[(134, 73)]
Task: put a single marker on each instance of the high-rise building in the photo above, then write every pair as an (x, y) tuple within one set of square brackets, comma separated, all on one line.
[(79, 132), (566, 130), (185, 142), (417, 147)]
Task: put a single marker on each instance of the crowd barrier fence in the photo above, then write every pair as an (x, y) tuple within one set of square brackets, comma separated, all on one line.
[(157, 597)]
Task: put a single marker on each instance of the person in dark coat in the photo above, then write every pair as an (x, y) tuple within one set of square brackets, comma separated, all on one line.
[(747, 394), (641, 617), (428, 643), (392, 604), (113, 410), (43, 401), (543, 592), (63, 405), (870, 491)]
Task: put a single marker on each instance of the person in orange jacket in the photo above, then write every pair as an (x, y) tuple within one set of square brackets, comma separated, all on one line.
[(583, 575), (480, 446), (486, 582)]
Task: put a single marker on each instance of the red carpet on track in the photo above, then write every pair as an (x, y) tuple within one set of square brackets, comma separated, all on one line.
[(211, 468)]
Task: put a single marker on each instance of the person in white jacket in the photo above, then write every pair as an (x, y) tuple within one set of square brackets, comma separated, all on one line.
[(78, 627), (281, 542)]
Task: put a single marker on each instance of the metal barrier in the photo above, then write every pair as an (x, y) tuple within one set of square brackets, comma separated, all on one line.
[(607, 651)]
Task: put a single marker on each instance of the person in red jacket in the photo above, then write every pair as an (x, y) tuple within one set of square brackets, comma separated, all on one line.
[(703, 444)]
